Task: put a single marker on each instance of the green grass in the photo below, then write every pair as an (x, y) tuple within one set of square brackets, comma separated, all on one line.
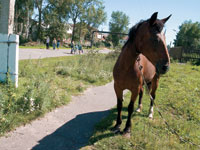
[(178, 98), (49, 83), (34, 47), (39, 47), (61, 47)]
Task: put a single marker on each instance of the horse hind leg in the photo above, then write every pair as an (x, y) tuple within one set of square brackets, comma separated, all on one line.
[(139, 109), (127, 129), (119, 94)]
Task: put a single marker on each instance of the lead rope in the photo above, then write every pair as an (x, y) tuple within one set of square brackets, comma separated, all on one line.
[(173, 131)]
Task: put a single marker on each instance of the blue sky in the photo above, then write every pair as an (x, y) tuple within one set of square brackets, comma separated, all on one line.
[(181, 11)]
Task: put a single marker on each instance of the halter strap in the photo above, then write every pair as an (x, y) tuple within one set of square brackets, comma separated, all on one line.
[(139, 65), (137, 51)]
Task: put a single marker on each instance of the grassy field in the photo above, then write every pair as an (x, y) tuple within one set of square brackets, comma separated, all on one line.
[(61, 47), (178, 98), (40, 47), (49, 83)]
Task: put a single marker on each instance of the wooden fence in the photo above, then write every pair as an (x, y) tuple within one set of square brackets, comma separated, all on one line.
[(189, 54), (184, 54)]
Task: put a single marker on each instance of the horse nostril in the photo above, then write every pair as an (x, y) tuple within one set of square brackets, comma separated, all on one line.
[(165, 68)]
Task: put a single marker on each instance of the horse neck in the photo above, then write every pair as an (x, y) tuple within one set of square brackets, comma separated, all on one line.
[(128, 56)]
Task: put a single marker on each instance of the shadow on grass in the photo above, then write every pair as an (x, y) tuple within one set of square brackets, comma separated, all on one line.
[(107, 124), (74, 134), (196, 62)]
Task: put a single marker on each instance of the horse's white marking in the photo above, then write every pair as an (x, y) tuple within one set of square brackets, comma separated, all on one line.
[(139, 109), (151, 112)]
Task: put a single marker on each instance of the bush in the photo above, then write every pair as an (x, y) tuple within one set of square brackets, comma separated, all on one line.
[(22, 40)]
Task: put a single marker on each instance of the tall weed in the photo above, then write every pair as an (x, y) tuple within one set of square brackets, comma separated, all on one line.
[(48, 83)]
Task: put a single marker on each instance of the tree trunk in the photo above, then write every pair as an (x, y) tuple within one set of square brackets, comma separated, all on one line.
[(16, 24), (39, 24), (80, 31), (39, 7), (27, 23), (7, 16), (73, 31)]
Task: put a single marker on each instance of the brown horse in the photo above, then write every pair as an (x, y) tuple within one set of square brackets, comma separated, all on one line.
[(147, 42)]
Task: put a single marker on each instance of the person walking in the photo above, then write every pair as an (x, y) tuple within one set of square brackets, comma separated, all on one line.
[(80, 49), (47, 42), (54, 43), (72, 47), (76, 48), (58, 43)]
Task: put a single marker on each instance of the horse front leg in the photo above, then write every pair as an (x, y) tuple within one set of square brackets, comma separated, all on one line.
[(139, 109), (151, 106), (153, 95), (127, 129)]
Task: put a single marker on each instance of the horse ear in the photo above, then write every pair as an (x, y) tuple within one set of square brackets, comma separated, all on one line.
[(153, 18), (165, 19)]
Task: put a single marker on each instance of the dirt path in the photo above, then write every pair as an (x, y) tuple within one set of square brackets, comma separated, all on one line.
[(66, 128), (43, 53)]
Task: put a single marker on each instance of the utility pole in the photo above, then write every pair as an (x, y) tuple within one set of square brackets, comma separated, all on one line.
[(7, 16), (9, 43)]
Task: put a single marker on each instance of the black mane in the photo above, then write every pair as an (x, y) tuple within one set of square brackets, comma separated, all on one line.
[(133, 31)]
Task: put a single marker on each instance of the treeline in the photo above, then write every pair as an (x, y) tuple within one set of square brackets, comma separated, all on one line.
[(36, 19), (188, 35)]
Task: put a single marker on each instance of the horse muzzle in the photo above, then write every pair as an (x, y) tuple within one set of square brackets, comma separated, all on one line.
[(162, 67)]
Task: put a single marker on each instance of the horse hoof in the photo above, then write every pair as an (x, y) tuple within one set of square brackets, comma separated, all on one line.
[(126, 134), (151, 116), (138, 110), (116, 130)]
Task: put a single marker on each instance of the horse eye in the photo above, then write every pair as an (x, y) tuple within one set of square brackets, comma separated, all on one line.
[(157, 29), (156, 40)]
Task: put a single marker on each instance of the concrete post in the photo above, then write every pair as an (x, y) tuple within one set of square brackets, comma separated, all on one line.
[(7, 16), (9, 48), (9, 43)]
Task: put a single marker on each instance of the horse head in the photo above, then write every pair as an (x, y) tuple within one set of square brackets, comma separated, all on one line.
[(150, 41)]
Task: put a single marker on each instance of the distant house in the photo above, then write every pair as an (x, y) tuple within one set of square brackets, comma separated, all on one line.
[(101, 36), (87, 37), (69, 28)]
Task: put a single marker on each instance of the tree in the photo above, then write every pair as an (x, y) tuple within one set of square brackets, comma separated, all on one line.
[(51, 17), (59, 8), (119, 23), (39, 5), (76, 9), (91, 19), (188, 35), (55, 17), (23, 14), (78, 12)]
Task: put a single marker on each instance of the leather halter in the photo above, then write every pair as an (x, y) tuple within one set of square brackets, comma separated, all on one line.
[(137, 51)]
